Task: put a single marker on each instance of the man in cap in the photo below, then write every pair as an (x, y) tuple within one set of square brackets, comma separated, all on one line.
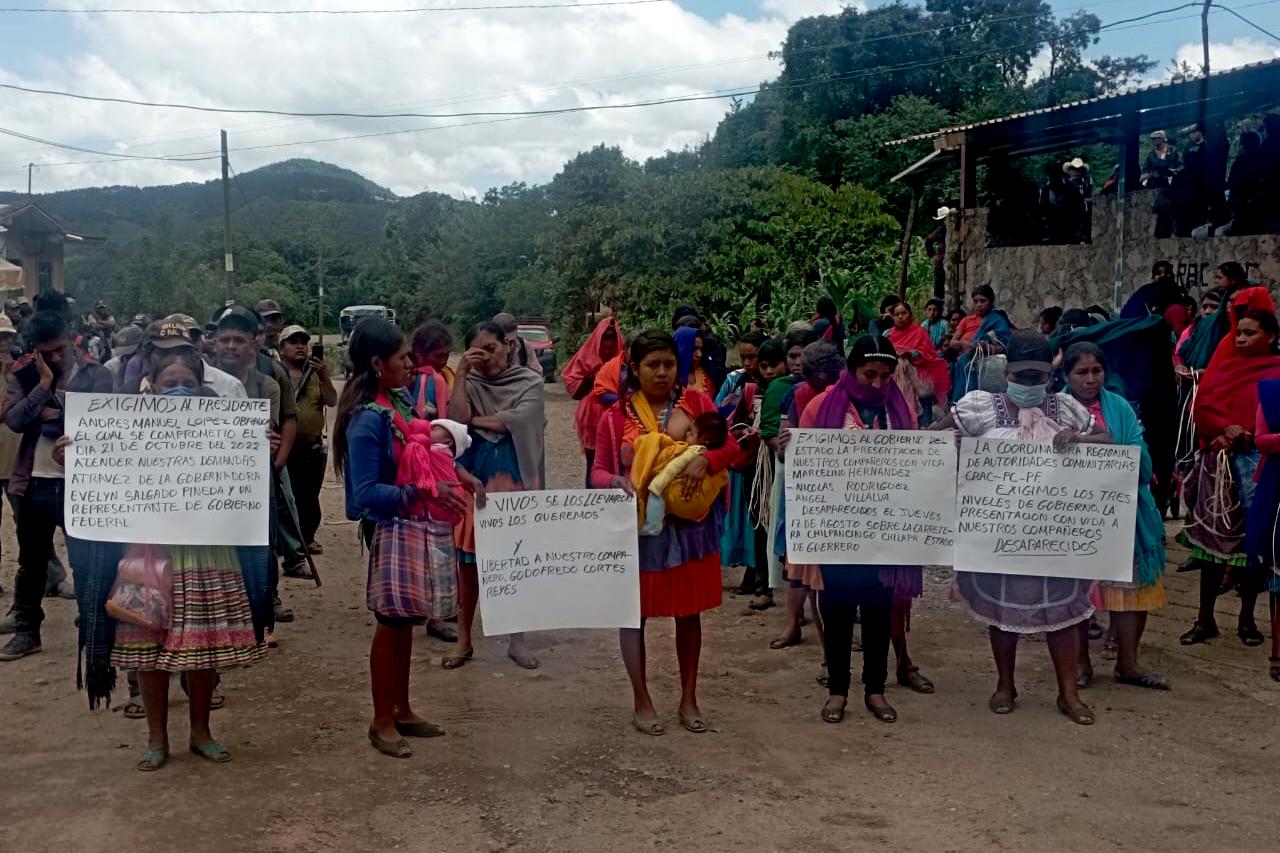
[(8, 438), (172, 332), (935, 246), (126, 342), (1162, 163), (34, 408), (272, 323), (238, 330), (141, 321), (313, 391), (101, 320)]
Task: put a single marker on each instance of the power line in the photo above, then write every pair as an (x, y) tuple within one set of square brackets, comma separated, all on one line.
[(416, 10), (119, 155), (492, 113), (1247, 21)]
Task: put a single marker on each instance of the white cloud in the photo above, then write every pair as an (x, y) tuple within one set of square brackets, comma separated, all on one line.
[(450, 63), (1224, 55)]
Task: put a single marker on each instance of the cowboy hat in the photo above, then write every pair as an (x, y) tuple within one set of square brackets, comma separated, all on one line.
[(943, 213)]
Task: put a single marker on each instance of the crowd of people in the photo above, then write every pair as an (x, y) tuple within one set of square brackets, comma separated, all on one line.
[(419, 444)]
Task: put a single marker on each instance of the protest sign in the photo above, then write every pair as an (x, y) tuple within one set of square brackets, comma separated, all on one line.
[(869, 497), (160, 470), (558, 559), (1023, 509)]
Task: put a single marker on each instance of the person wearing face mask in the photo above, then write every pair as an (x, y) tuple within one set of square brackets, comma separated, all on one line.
[(1013, 605), (221, 610), (34, 408)]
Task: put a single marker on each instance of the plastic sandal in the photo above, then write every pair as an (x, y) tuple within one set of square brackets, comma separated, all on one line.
[(152, 760), (1250, 635), (420, 728), (693, 723), (211, 751), (884, 713), (394, 748), (1084, 679), (650, 727), (832, 714), (525, 661), (916, 680), (1002, 704), (1149, 680), (780, 643), (456, 661), (133, 709), (1199, 633), (1082, 716)]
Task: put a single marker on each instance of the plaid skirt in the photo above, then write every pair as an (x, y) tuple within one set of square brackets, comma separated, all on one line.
[(212, 626)]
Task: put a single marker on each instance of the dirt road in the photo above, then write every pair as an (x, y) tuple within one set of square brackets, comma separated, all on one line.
[(547, 761)]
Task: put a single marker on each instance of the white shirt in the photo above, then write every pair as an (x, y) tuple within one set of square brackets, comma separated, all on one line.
[(223, 383)]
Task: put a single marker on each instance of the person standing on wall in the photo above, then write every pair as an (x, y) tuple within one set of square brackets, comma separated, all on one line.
[(237, 332), (34, 408), (935, 246), (313, 391)]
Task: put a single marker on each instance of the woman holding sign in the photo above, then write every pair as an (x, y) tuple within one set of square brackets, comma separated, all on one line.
[(1085, 366), (369, 437), (1012, 605), (680, 565), (865, 397), (503, 405)]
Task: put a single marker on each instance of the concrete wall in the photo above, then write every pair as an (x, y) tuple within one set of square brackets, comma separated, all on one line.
[(1029, 278)]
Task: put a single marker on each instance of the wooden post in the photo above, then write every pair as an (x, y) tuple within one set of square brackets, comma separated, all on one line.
[(320, 275), (1127, 175), (906, 241), (1204, 34)]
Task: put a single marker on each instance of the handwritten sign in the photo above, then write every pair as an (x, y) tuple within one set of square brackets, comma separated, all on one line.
[(558, 559), (164, 470), (1023, 509), (868, 497)]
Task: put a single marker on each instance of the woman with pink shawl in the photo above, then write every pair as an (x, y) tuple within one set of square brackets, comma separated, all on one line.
[(579, 376), (913, 344)]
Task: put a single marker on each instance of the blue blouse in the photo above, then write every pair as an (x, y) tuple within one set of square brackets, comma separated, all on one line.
[(369, 471)]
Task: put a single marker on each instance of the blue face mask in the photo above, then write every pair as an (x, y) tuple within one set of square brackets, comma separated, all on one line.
[(1027, 396), (178, 391)]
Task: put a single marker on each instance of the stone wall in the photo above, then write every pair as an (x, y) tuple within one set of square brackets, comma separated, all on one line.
[(1029, 278)]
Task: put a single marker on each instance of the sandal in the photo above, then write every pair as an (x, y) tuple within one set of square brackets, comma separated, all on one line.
[(1275, 667), (761, 602), (780, 643), (133, 709), (1082, 716), (455, 661), (1084, 678), (1095, 629), (300, 572), (394, 748), (823, 677), (833, 715), (1199, 633), (211, 750), (524, 661), (153, 759), (1250, 635), (652, 727), (419, 728), (1149, 680), (884, 712), (442, 631), (915, 680), (693, 722), (999, 703)]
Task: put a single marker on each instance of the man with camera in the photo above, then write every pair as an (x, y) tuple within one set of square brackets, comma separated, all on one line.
[(313, 391)]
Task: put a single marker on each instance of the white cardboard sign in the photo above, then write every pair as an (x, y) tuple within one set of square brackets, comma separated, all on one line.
[(1023, 509), (558, 559), (870, 497), (152, 469)]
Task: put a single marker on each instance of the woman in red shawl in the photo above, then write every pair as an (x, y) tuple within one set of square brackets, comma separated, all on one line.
[(579, 378), (913, 343), (1220, 488), (680, 566)]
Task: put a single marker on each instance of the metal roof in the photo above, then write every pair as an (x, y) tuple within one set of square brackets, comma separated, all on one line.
[(1160, 105)]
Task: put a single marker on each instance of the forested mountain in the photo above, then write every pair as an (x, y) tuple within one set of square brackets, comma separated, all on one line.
[(790, 194)]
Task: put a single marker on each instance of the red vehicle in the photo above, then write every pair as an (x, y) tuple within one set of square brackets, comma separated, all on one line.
[(534, 331)]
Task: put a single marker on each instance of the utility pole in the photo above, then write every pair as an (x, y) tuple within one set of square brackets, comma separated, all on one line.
[(228, 261), (320, 276), (30, 168), (1204, 33)]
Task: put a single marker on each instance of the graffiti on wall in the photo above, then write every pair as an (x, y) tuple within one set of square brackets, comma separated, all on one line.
[(1194, 276)]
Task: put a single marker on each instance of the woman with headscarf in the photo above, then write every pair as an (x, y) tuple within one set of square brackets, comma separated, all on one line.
[(1262, 534), (865, 397), (579, 378), (1013, 605), (693, 374), (1207, 335), (432, 378), (503, 405), (913, 344), (827, 325), (983, 333), (680, 565), (1085, 367), (1219, 491)]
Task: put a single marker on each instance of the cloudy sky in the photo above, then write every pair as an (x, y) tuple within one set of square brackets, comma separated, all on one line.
[(435, 63)]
